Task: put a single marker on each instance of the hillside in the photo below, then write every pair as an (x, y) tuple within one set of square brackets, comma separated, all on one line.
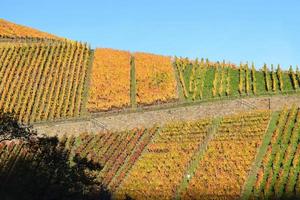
[(156, 127), (107, 80), (41, 81), (9, 30), (213, 158), (147, 79)]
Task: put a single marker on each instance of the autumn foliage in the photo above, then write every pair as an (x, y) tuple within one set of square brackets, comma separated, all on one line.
[(227, 161), (12, 30), (161, 167), (278, 175), (110, 80), (155, 78), (43, 81)]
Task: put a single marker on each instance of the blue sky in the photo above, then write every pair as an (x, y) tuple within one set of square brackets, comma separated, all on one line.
[(234, 30)]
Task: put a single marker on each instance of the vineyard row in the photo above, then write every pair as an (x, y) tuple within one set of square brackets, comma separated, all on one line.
[(43, 82)]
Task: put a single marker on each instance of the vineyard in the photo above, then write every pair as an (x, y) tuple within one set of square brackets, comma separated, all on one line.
[(203, 159), (250, 155), (223, 168), (110, 81), (148, 79), (43, 81), (45, 78), (155, 79), (202, 79), (278, 173), (117, 154), (9, 30), (161, 167)]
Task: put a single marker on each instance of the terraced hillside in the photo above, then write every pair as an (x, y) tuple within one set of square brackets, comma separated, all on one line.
[(223, 167), (155, 79), (249, 155), (121, 80), (276, 175), (106, 94), (200, 80), (148, 79), (47, 79), (160, 168), (41, 81), (9, 30)]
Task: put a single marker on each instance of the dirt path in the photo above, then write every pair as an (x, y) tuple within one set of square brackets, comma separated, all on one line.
[(149, 118)]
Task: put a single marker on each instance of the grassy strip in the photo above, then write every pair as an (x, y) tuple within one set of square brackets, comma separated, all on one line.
[(132, 83), (277, 163), (202, 76), (208, 84), (293, 176), (178, 84), (247, 189), (289, 155), (192, 167), (87, 82), (243, 85), (274, 145)]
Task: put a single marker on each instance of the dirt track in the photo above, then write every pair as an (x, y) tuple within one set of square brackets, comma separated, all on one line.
[(149, 118)]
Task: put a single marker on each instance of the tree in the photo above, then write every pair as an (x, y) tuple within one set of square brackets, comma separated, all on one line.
[(43, 168), (10, 128)]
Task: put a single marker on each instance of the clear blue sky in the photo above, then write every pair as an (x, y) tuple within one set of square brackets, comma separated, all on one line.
[(234, 30)]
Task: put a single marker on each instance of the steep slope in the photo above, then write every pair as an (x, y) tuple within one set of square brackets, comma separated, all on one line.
[(223, 168), (155, 79), (11, 30), (278, 171), (123, 80), (110, 80), (41, 81), (205, 159)]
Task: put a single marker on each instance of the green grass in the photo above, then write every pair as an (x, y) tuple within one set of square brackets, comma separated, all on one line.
[(234, 81), (282, 148), (287, 82), (208, 83), (283, 180), (193, 95), (247, 190), (178, 85), (260, 82), (187, 77)]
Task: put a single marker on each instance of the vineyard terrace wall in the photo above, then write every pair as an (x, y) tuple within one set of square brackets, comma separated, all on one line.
[(184, 113)]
